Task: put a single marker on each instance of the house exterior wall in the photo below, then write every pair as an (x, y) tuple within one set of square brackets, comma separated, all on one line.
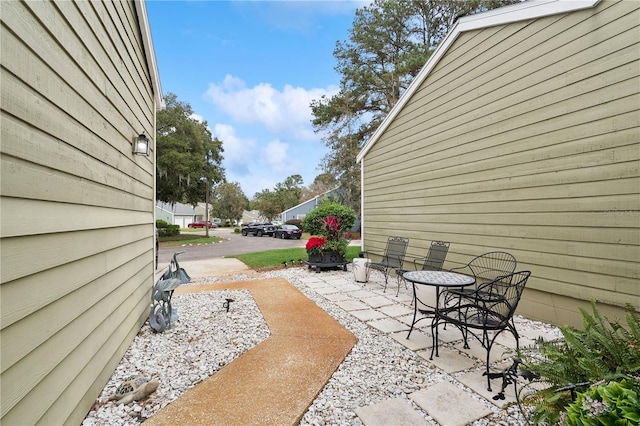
[(177, 214), (299, 211), (524, 137), (162, 214), (77, 223)]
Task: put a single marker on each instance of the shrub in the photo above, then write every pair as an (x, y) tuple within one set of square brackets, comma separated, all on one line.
[(314, 220), (167, 230), (604, 350), (607, 404)]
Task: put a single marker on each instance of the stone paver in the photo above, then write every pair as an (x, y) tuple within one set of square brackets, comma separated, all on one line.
[(478, 383), (406, 319), (377, 301), (350, 287), (449, 360), (335, 297), (325, 290), (396, 310), (362, 294), (352, 305), (448, 335), (498, 352), (396, 412), (417, 341), (388, 325), (449, 405), (315, 283), (368, 315)]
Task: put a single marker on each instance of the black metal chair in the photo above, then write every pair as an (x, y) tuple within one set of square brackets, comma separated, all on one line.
[(484, 268), (392, 258), (432, 262), (489, 308)]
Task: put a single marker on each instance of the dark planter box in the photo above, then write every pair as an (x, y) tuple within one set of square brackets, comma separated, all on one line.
[(329, 259)]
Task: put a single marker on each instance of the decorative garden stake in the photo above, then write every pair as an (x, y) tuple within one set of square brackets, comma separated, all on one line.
[(227, 304)]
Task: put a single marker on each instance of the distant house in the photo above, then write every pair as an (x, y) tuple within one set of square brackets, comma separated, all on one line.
[(79, 84), (301, 210), (249, 216), (522, 133), (178, 213), (201, 210)]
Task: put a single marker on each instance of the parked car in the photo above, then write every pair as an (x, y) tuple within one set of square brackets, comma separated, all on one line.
[(258, 229), (201, 224), (288, 231)]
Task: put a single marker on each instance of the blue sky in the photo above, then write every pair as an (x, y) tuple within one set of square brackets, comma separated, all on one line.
[(251, 69)]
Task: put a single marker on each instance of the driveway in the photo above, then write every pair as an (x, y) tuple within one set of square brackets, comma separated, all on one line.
[(233, 244)]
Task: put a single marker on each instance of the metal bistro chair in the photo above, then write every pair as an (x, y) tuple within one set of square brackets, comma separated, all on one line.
[(432, 262), (392, 258), (484, 268), (489, 308)]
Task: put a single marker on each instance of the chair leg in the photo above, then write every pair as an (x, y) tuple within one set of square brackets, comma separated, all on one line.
[(487, 345), (386, 279), (400, 278)]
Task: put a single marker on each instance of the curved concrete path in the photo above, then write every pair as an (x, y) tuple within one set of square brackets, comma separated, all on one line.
[(275, 382)]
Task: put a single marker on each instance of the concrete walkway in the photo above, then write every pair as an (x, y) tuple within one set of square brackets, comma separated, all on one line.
[(275, 382)]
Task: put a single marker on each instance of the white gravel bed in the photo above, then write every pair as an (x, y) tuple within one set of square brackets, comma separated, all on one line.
[(207, 338)]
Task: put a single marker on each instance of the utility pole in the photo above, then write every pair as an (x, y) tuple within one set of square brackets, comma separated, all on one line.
[(206, 207)]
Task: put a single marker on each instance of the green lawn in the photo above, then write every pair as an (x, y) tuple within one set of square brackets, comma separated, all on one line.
[(181, 239), (274, 258)]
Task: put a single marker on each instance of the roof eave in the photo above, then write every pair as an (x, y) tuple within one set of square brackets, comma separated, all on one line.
[(147, 41)]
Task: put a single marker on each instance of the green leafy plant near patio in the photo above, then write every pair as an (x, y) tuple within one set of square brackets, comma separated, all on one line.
[(593, 375), (613, 403), (167, 230), (330, 221)]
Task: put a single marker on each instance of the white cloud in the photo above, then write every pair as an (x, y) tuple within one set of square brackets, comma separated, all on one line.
[(236, 150), (197, 117), (275, 154), (283, 112)]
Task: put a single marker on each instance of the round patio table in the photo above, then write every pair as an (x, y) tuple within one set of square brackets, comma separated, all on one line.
[(437, 279)]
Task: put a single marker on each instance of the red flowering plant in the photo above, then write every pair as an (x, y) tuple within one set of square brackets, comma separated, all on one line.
[(315, 245), (329, 222), (336, 238)]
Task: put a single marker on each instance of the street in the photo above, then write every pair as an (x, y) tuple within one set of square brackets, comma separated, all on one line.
[(233, 244)]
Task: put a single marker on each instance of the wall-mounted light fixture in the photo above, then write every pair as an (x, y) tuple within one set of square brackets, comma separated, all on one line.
[(141, 145)]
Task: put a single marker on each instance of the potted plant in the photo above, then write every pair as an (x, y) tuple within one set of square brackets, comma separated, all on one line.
[(329, 223)]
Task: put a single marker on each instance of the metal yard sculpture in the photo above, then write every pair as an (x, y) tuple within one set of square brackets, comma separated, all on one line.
[(162, 315)]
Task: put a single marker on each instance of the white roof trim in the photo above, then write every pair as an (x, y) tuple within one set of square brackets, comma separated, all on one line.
[(504, 15), (150, 53)]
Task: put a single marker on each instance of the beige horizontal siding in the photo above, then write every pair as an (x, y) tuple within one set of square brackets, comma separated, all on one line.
[(77, 233), (524, 138)]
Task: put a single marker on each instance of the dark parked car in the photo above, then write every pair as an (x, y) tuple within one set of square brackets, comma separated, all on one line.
[(288, 231), (201, 224), (258, 229)]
